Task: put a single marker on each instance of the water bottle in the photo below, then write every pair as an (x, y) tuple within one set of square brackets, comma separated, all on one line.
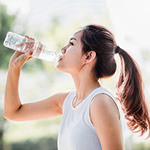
[(24, 44)]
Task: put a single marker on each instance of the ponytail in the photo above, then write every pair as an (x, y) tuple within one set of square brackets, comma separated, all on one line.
[(130, 85), (131, 95)]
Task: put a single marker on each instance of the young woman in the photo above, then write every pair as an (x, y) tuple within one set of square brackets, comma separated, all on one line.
[(91, 118)]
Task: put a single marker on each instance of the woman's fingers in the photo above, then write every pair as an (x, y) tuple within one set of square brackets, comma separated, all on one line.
[(22, 59), (26, 36), (30, 52), (15, 55), (19, 59), (30, 38)]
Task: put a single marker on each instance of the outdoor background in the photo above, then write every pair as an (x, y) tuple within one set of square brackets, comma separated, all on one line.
[(52, 23)]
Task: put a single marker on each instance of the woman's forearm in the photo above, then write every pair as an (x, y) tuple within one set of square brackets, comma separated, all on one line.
[(11, 98)]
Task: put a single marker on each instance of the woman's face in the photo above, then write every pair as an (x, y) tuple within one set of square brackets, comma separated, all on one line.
[(72, 59)]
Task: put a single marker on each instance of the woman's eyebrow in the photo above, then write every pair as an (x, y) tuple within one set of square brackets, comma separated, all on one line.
[(73, 39)]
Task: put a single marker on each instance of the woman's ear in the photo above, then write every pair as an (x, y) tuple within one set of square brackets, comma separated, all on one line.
[(90, 56)]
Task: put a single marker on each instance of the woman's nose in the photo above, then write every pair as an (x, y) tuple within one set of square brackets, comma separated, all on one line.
[(63, 50)]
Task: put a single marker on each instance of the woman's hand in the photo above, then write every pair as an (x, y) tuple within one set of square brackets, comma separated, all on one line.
[(18, 59)]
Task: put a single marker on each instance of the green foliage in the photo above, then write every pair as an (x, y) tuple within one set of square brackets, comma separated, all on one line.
[(38, 135), (35, 144), (6, 22)]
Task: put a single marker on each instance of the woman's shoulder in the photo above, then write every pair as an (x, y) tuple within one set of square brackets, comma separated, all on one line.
[(105, 101)]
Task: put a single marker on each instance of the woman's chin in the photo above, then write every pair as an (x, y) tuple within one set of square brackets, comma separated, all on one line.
[(59, 68)]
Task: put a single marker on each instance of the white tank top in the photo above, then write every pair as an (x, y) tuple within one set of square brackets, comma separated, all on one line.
[(76, 130)]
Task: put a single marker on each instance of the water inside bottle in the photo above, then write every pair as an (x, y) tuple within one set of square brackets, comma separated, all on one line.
[(49, 55), (23, 44), (17, 42), (45, 53)]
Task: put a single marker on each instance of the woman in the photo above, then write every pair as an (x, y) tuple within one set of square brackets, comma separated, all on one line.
[(91, 118)]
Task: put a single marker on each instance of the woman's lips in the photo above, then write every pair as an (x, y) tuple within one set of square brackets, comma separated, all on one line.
[(60, 59)]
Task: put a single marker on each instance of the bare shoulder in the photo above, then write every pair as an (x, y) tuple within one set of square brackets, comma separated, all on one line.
[(104, 104), (104, 115)]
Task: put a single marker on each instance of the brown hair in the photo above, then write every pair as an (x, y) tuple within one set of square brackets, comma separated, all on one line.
[(130, 85)]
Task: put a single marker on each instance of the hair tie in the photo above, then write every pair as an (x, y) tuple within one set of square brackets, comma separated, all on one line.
[(117, 50)]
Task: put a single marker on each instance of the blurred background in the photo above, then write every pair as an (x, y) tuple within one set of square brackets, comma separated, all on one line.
[(52, 23)]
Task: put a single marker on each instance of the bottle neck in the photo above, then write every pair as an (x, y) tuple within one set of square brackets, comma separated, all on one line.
[(44, 53)]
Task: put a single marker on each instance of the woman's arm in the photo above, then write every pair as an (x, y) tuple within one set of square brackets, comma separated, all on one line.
[(11, 99), (105, 118), (14, 110)]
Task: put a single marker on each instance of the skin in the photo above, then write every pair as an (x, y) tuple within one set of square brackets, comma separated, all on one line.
[(104, 114), (79, 66)]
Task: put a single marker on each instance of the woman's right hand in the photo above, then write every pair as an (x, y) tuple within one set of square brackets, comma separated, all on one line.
[(18, 59)]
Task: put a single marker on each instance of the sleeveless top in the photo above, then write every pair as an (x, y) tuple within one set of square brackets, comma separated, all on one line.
[(76, 130)]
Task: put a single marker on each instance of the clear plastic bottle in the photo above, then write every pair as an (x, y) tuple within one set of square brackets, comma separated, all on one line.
[(24, 44)]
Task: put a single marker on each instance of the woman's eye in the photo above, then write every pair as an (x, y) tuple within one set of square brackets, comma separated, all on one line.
[(71, 43)]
